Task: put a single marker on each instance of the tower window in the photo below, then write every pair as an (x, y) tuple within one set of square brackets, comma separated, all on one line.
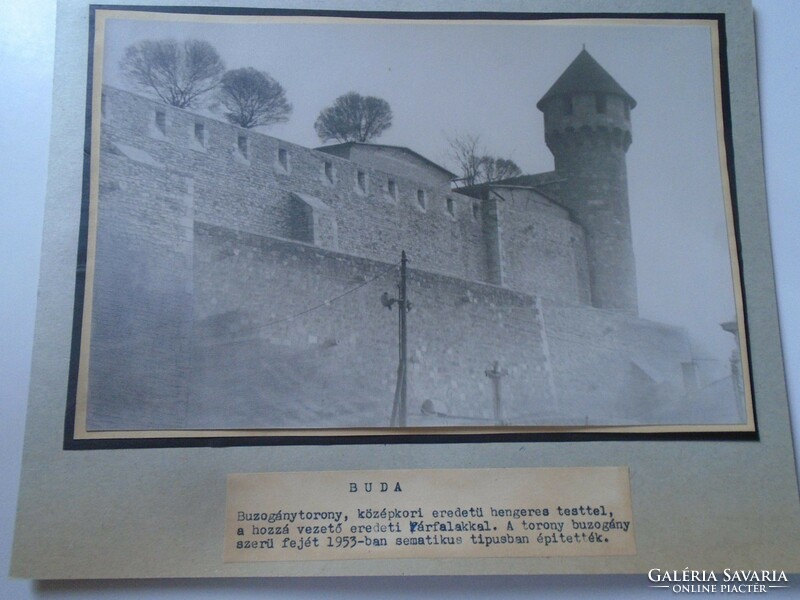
[(391, 187), (243, 146), (283, 158), (329, 171), (600, 102), (566, 105), (161, 121), (451, 207), (200, 133), (476, 210), (627, 111), (361, 180), (421, 198)]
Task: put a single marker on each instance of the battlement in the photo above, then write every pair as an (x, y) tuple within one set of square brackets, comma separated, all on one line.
[(365, 200), (588, 115), (255, 182)]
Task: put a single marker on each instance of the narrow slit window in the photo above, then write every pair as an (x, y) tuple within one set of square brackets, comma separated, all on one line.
[(421, 198), (329, 171), (476, 210), (391, 186), (161, 121), (242, 143), (600, 103), (567, 105), (200, 133), (451, 209), (361, 179), (283, 158)]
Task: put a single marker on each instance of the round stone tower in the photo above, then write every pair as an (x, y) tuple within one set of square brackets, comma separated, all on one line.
[(588, 130)]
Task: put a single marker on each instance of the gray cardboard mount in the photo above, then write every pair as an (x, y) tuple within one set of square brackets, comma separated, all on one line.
[(160, 512)]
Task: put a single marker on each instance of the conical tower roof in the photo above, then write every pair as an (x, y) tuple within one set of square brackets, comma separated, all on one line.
[(585, 75)]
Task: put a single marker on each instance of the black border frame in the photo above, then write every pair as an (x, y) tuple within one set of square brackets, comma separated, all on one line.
[(71, 443)]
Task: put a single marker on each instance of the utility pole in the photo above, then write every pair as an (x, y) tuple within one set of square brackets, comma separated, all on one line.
[(400, 406), (495, 374)]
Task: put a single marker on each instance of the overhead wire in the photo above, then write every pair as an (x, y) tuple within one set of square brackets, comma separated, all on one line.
[(327, 302)]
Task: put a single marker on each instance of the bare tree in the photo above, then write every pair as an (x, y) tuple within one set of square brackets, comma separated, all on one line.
[(253, 98), (475, 165), (354, 118), (177, 73), (464, 151), (497, 169)]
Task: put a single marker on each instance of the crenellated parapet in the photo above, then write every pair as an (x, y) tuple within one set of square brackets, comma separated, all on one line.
[(367, 200), (589, 114), (601, 136)]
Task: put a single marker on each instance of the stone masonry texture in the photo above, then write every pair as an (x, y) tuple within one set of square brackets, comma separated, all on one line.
[(237, 283)]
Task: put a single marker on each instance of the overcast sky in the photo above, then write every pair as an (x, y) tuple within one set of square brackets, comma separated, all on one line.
[(444, 79)]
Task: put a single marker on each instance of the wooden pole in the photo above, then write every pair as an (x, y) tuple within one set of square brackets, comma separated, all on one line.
[(400, 405), (403, 307)]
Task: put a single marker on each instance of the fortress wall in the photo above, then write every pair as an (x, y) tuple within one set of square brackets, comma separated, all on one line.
[(226, 189), (457, 334), (394, 161), (195, 275), (344, 355), (141, 296), (609, 364), (543, 251), (253, 192)]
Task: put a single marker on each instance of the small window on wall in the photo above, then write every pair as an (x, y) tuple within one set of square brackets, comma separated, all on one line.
[(600, 103), (361, 181), (421, 198), (200, 133), (566, 105), (244, 149), (329, 171), (476, 210), (283, 158), (451, 208), (627, 111), (391, 187), (161, 121)]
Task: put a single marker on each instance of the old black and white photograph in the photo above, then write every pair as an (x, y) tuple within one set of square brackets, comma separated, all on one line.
[(302, 223)]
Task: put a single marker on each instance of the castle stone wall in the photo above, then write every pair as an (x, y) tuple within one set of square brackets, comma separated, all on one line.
[(238, 282), (344, 355), (543, 252), (248, 181), (254, 192), (610, 366), (141, 299), (394, 162)]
